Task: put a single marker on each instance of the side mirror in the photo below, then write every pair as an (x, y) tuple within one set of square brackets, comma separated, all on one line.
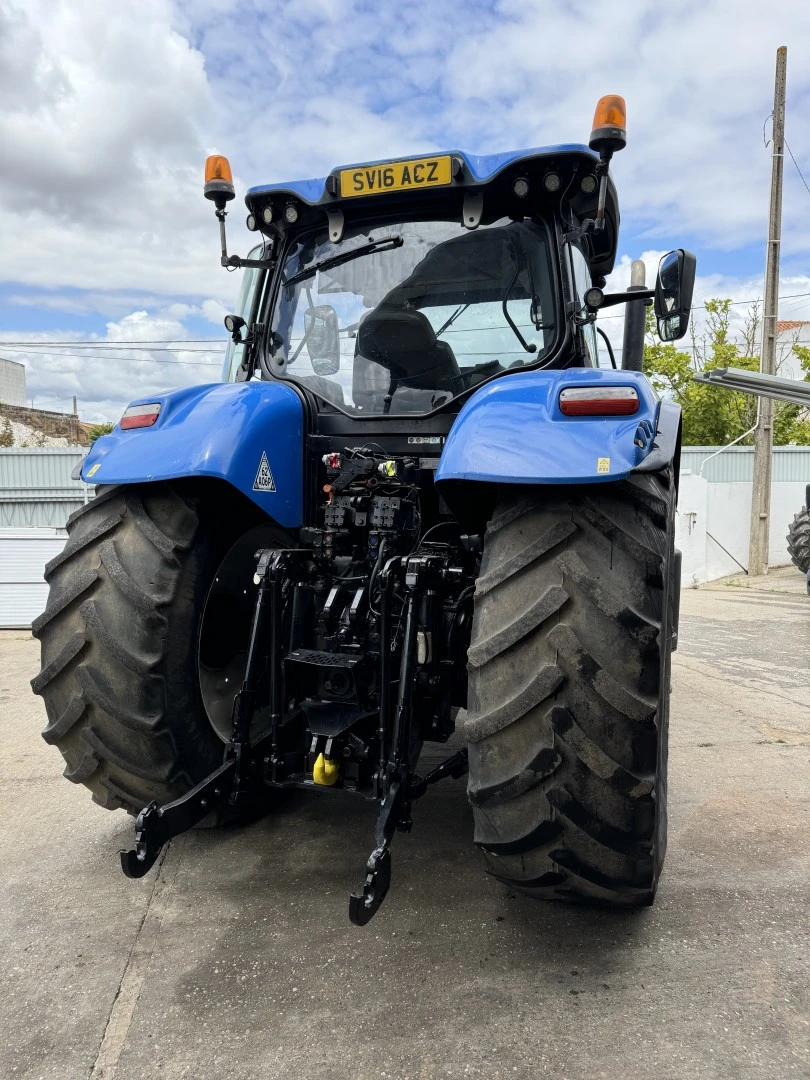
[(673, 293), (322, 336)]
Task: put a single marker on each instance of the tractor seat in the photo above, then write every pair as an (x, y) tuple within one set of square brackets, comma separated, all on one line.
[(403, 343)]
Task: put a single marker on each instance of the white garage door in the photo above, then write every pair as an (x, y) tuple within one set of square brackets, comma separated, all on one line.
[(23, 555)]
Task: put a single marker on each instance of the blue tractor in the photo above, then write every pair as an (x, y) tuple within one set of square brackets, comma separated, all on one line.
[(415, 502)]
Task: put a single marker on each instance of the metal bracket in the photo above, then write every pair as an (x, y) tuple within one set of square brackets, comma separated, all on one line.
[(473, 209), (335, 218), (156, 825), (456, 766), (249, 765), (239, 775), (397, 752), (363, 906), (394, 814)]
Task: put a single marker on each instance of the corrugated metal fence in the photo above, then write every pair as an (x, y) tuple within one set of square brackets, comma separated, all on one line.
[(37, 495), (36, 490), (23, 555), (791, 464)]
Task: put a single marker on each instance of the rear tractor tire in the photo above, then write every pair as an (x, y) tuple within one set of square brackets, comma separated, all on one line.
[(798, 539), (569, 670), (119, 640)]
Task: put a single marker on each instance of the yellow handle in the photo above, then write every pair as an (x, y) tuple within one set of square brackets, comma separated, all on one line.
[(325, 771)]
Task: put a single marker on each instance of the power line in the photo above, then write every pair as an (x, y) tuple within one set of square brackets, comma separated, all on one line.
[(103, 348), (120, 341), (699, 348), (129, 359), (795, 162), (50, 401), (699, 307)]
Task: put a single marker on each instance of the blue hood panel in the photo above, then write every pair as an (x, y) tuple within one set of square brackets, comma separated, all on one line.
[(512, 432), (222, 430)]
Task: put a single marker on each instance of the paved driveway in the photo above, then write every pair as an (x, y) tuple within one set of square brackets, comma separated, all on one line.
[(237, 959)]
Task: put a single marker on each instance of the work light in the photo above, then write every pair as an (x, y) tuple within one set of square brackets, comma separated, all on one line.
[(588, 184)]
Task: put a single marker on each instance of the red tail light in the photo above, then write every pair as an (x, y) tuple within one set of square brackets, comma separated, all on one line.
[(140, 416), (599, 401)]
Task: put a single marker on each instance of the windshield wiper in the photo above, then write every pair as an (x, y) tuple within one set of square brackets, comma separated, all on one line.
[(345, 256), (459, 311), (508, 317)]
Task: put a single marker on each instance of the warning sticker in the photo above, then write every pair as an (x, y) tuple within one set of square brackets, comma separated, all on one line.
[(264, 478), (603, 464), (425, 440)]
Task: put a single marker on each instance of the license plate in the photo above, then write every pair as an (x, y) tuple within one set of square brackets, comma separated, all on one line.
[(413, 175)]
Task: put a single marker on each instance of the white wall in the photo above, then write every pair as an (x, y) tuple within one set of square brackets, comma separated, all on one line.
[(713, 524), (12, 382), (690, 527), (23, 555)]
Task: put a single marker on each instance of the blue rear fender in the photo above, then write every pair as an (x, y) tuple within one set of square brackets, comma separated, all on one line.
[(248, 434), (512, 432)]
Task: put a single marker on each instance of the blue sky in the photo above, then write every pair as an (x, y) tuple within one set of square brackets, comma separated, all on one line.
[(110, 110)]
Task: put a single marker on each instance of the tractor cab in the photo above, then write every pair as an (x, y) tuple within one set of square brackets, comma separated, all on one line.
[(398, 288), (435, 277)]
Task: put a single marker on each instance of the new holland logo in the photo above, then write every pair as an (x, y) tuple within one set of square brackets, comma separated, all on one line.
[(264, 478)]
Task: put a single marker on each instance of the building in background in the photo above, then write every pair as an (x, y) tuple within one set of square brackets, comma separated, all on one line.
[(790, 332), (12, 383), (24, 427)]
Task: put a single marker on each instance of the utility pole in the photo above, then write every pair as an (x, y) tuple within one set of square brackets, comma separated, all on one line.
[(763, 445)]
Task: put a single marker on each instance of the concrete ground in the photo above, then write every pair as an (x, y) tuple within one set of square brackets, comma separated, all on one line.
[(237, 959)]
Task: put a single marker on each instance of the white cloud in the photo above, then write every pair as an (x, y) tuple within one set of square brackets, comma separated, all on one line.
[(108, 119), (104, 377), (214, 311), (103, 143), (181, 311), (109, 111)]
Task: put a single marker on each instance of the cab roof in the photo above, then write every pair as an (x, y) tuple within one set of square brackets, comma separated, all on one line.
[(482, 168), (495, 173)]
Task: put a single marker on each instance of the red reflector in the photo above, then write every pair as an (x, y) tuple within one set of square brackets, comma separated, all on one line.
[(137, 416), (599, 401)]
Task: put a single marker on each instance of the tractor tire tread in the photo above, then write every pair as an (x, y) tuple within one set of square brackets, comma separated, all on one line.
[(115, 676), (798, 541), (568, 774)]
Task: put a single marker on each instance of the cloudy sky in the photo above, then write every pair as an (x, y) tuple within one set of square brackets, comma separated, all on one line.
[(109, 110)]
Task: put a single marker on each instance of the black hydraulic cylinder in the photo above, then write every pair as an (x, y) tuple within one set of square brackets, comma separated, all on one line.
[(635, 318)]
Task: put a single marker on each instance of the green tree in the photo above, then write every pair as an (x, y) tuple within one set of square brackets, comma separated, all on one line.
[(6, 435), (97, 431), (713, 416)]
